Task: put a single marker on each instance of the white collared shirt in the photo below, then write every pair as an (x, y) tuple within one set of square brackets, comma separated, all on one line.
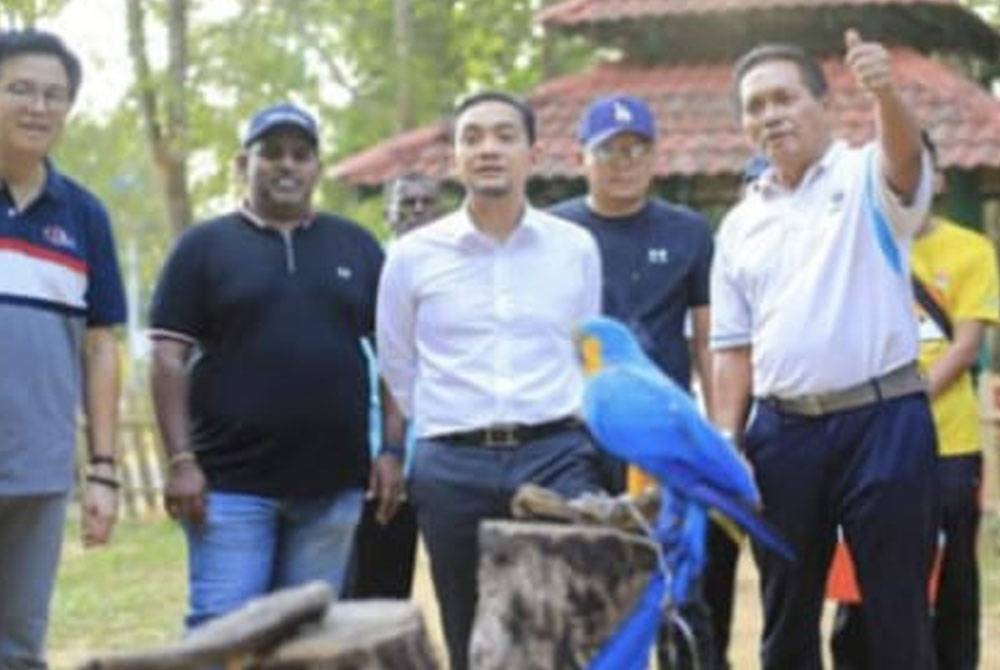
[(816, 279), (473, 332)]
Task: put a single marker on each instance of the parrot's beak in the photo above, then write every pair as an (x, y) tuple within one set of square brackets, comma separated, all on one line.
[(590, 353)]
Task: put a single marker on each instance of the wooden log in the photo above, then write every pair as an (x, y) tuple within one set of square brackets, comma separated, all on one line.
[(550, 595), (360, 635), (234, 640)]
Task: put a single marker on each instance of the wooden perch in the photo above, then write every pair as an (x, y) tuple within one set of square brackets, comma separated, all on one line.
[(233, 640), (360, 635)]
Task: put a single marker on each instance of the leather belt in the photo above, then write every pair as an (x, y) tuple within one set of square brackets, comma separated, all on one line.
[(902, 381), (509, 435)]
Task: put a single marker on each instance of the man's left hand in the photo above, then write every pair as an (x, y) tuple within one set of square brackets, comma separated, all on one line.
[(385, 484), (869, 61), (100, 510)]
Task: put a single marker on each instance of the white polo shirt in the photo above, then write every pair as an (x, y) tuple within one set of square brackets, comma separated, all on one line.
[(473, 332), (816, 279)]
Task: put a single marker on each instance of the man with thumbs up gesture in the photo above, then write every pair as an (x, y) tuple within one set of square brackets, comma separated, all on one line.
[(812, 324)]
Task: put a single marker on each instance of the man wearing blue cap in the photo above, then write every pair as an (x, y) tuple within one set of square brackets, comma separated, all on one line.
[(655, 255), (259, 381)]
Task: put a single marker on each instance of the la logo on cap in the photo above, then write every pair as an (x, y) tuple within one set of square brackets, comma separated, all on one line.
[(622, 113)]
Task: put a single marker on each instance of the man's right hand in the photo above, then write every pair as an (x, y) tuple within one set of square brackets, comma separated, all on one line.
[(184, 496)]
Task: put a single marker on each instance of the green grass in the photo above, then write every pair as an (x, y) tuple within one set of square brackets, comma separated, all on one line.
[(128, 595), (132, 594)]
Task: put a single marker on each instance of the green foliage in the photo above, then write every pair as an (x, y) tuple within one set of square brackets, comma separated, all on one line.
[(22, 13)]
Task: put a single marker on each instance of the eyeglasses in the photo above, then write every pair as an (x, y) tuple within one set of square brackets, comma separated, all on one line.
[(56, 98), (605, 153)]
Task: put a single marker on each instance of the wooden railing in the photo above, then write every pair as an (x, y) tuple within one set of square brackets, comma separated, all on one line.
[(141, 467)]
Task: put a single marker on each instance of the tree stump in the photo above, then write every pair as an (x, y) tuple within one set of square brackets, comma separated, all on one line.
[(550, 595), (360, 635)]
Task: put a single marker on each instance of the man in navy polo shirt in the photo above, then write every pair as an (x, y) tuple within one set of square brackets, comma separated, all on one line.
[(60, 297), (260, 383), (655, 255)]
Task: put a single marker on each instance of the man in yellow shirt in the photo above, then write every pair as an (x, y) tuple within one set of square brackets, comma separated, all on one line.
[(957, 297)]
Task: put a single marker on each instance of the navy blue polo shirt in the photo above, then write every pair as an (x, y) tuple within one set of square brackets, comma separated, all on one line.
[(656, 266), (279, 389), (58, 276)]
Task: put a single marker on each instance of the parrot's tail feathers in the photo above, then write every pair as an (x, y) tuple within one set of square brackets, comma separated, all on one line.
[(747, 518), (629, 647), (731, 529)]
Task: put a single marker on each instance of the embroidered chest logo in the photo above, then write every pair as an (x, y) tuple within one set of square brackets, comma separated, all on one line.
[(58, 237), (659, 256), (836, 202), (344, 272)]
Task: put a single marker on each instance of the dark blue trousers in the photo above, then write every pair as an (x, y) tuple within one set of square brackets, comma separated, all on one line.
[(956, 613), (871, 470), (455, 487)]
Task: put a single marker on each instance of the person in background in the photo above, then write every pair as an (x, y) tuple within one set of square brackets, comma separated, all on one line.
[(61, 298), (385, 553), (266, 427), (957, 297), (655, 257)]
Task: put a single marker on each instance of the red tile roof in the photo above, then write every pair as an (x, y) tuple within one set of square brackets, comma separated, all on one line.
[(596, 11), (699, 135)]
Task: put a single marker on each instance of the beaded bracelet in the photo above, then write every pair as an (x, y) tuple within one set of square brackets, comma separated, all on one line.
[(100, 459), (180, 457), (104, 481)]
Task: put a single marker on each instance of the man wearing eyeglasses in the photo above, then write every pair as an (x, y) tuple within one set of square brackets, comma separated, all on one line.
[(655, 255), (61, 296), (260, 385)]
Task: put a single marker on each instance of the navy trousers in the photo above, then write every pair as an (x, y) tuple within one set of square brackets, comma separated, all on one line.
[(718, 587), (455, 487), (871, 470), (956, 613), (384, 556)]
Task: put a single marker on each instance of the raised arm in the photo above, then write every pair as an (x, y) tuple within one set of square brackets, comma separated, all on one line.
[(898, 131)]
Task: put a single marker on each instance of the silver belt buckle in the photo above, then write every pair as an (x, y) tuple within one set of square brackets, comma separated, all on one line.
[(811, 405), (500, 436)]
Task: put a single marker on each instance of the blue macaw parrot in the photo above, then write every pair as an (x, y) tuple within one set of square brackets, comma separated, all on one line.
[(638, 414)]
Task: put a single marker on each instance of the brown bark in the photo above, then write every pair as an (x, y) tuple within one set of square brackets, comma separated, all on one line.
[(550, 595), (233, 640), (403, 30), (362, 635), (167, 140)]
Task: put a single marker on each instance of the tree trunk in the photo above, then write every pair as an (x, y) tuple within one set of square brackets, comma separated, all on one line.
[(550, 595), (403, 29), (167, 141)]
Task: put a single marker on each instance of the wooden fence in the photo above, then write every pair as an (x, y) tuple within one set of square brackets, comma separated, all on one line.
[(141, 467)]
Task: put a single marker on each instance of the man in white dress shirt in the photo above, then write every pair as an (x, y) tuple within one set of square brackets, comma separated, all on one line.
[(474, 326), (812, 316)]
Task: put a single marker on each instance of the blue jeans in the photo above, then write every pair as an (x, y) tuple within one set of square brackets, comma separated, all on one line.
[(250, 545), (31, 532)]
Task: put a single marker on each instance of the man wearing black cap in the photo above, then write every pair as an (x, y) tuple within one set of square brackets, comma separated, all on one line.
[(259, 381), (655, 258)]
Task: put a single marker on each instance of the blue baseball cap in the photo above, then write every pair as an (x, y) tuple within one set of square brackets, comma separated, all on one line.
[(282, 115), (614, 114)]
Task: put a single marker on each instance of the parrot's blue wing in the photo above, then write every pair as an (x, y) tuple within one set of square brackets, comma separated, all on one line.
[(747, 517), (628, 648), (643, 418)]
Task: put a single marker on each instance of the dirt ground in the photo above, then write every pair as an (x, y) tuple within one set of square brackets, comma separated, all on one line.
[(747, 617)]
